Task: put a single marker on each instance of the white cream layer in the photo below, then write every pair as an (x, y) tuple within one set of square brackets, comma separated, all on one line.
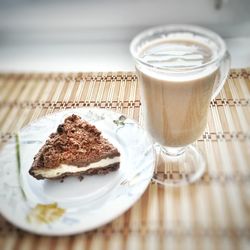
[(64, 168)]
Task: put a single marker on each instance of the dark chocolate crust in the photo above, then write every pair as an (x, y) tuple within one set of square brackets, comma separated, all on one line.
[(76, 142)]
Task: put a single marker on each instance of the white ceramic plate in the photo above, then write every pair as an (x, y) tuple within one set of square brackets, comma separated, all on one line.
[(51, 207)]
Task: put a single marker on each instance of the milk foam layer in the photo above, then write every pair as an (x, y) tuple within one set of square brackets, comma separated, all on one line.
[(179, 55)]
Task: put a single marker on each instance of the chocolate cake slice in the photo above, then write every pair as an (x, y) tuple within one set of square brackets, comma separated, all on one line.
[(77, 148)]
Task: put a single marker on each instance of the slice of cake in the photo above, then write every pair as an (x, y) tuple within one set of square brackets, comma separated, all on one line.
[(77, 148)]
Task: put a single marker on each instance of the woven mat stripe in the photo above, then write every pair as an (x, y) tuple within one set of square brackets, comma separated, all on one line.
[(4, 116), (29, 87), (241, 87), (228, 214), (221, 149), (7, 117), (101, 90), (59, 91), (76, 100), (70, 76), (247, 84), (51, 91), (66, 91), (111, 90), (231, 123), (245, 88), (79, 90), (122, 225), (242, 117), (5, 87), (235, 117), (14, 91), (72, 103), (23, 93), (168, 211), (75, 91), (135, 240), (196, 211)]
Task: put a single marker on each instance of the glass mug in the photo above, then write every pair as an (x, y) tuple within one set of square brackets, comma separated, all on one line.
[(180, 69)]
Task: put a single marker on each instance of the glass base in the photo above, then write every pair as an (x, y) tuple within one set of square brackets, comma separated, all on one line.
[(178, 166)]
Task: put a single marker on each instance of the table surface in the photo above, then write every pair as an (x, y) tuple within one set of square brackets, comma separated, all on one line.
[(210, 214)]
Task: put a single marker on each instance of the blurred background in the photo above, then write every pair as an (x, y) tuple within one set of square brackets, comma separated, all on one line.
[(94, 35)]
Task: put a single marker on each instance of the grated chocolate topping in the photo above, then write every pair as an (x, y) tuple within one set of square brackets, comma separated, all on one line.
[(76, 142)]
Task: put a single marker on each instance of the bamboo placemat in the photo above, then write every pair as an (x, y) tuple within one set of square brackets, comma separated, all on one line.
[(213, 213)]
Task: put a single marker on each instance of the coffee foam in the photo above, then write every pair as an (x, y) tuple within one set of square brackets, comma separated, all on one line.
[(174, 58)]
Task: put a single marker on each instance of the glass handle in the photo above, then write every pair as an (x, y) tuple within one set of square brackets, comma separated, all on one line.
[(222, 74)]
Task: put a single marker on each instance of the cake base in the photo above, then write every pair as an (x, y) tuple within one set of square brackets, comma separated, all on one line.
[(99, 171)]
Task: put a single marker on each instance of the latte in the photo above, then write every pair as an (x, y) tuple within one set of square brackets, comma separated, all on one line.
[(175, 92)]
